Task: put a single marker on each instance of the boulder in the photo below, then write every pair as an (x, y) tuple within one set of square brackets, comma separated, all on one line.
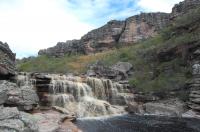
[(12, 120), (196, 69), (167, 108), (5, 86), (123, 67), (134, 108), (25, 98), (119, 71)]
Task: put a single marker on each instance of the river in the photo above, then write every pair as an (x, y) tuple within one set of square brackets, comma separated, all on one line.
[(137, 123)]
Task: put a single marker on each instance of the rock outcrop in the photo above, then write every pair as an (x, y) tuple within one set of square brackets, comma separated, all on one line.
[(112, 35), (194, 84), (24, 98), (143, 26), (62, 48), (12, 120), (184, 7), (118, 72), (117, 33), (15, 99), (7, 61)]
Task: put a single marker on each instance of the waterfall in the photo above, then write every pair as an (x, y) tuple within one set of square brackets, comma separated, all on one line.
[(76, 89), (105, 89), (84, 96)]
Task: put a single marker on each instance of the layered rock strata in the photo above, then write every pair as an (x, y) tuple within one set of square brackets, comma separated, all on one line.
[(194, 84), (121, 33), (118, 72), (85, 96), (7, 61), (112, 35)]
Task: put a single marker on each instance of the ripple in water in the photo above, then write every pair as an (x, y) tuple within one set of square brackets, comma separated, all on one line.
[(136, 123)]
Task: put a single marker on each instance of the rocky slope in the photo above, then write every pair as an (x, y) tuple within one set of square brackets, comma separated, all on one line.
[(184, 7), (116, 33), (113, 34), (7, 61)]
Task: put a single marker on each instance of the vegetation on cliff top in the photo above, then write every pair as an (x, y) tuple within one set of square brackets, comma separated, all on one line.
[(149, 73)]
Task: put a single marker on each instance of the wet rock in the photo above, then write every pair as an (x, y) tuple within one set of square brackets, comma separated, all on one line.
[(61, 110), (53, 121), (135, 108), (70, 118), (191, 114)]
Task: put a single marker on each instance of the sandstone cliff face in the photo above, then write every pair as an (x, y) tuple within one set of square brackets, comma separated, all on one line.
[(103, 38), (112, 34), (143, 26), (7, 61)]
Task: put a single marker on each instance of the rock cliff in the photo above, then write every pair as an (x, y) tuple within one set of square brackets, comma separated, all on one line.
[(7, 61), (184, 7), (62, 48), (113, 34), (116, 33)]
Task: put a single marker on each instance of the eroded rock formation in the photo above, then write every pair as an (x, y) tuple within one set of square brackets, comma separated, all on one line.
[(7, 61), (118, 72), (62, 48), (116, 33), (113, 34), (184, 7), (194, 84)]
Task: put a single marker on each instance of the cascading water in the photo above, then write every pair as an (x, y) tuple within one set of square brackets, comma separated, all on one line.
[(85, 97), (25, 79)]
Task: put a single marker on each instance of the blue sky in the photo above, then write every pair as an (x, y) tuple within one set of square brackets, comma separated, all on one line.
[(30, 25)]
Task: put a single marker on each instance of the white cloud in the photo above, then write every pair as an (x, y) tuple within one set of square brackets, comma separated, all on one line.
[(37, 24), (158, 5)]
